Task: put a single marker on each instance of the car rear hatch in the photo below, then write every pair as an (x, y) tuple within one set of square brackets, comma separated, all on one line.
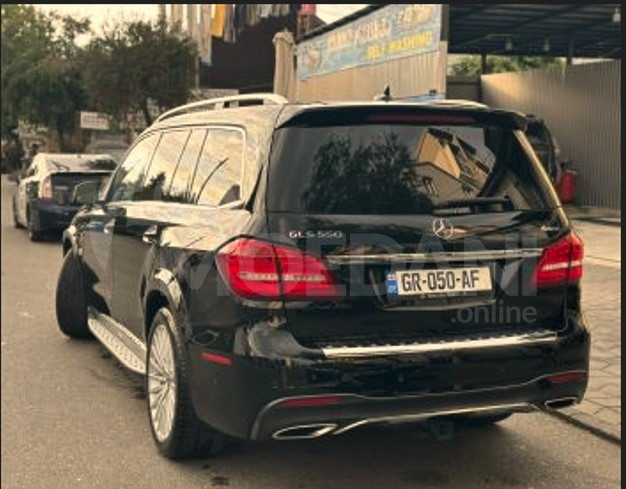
[(423, 225), (63, 184)]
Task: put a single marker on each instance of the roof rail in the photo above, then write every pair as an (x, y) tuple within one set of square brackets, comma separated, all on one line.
[(224, 102)]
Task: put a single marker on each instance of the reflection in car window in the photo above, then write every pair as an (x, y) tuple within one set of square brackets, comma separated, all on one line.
[(129, 177), (102, 189), (399, 169), (218, 173), (161, 170), (186, 165)]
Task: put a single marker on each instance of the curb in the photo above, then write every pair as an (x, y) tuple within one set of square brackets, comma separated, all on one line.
[(601, 433)]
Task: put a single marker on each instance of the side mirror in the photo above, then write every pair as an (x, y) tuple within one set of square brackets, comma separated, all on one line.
[(85, 192)]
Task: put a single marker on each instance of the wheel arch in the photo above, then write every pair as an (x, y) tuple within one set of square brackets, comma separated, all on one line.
[(161, 290), (69, 239)]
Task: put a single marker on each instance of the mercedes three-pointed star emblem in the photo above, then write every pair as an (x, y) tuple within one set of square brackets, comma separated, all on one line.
[(443, 228)]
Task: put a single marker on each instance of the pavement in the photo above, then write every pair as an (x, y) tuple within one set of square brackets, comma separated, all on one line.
[(600, 411), (73, 418)]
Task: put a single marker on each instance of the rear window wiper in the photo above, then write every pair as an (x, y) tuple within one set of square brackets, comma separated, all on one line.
[(475, 202)]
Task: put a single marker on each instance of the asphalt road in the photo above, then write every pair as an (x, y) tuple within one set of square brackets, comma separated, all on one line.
[(72, 417)]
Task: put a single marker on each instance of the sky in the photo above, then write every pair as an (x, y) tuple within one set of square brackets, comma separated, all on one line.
[(100, 13)]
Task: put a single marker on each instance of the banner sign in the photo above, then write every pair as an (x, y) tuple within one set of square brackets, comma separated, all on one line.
[(94, 120), (392, 32)]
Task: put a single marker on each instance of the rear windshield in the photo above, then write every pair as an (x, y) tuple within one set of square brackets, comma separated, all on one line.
[(403, 169)]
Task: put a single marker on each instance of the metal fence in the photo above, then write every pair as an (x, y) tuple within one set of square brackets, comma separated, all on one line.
[(582, 106)]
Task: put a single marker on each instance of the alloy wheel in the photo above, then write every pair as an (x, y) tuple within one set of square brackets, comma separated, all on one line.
[(161, 373)]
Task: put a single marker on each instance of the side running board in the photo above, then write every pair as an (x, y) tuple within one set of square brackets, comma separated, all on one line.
[(126, 347)]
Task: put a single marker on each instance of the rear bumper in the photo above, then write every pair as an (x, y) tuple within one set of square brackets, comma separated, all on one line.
[(352, 411), (245, 396), (49, 216)]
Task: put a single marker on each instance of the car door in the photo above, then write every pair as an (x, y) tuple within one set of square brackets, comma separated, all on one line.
[(137, 226), (97, 226)]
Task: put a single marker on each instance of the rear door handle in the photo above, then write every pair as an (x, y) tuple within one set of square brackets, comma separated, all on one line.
[(150, 235)]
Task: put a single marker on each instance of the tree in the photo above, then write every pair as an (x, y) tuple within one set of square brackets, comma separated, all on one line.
[(137, 63), (470, 65), (378, 178), (41, 82)]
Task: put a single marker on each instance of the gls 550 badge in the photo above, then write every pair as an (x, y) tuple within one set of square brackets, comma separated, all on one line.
[(315, 234)]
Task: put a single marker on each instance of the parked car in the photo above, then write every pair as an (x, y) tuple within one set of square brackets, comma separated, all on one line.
[(288, 271), (44, 201)]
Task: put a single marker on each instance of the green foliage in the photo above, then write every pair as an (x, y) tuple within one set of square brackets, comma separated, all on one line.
[(134, 62), (47, 77), (374, 178), (40, 73), (470, 65)]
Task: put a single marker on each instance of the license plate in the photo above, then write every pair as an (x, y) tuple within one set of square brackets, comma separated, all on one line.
[(446, 281)]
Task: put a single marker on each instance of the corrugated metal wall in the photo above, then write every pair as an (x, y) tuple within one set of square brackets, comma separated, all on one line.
[(582, 106), (463, 87), (410, 76)]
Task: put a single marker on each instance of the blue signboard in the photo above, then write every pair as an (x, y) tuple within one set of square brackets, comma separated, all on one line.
[(392, 32)]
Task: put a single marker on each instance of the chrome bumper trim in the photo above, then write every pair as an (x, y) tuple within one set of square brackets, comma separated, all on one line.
[(317, 430), (408, 418), (455, 345), (438, 257)]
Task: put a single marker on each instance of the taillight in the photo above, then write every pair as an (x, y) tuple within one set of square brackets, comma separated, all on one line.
[(45, 189), (253, 269), (561, 263)]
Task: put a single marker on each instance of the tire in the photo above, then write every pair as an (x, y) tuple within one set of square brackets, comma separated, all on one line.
[(33, 234), (479, 420), (71, 304), (176, 430), (16, 223)]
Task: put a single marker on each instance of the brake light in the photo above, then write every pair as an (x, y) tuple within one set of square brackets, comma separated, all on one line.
[(253, 269), (45, 189), (561, 263), (391, 118)]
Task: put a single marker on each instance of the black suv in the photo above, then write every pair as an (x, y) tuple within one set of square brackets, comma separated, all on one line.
[(284, 271)]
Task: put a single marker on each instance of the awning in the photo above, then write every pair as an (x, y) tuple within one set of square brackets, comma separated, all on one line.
[(583, 30)]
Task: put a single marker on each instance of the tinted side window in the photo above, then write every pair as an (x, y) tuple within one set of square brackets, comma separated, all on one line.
[(186, 165), (218, 173), (128, 179), (164, 162)]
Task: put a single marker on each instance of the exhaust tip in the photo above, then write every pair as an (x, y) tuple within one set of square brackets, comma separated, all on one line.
[(560, 403), (305, 431)]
